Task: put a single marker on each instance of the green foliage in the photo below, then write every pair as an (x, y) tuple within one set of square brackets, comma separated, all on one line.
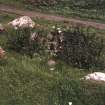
[(25, 81), (20, 41), (81, 48), (86, 9), (75, 46), (42, 2)]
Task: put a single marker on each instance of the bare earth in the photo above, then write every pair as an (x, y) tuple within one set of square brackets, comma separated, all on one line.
[(50, 17)]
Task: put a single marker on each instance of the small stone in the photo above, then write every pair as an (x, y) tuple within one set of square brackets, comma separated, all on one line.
[(52, 69), (51, 63), (53, 27), (70, 103), (59, 31), (58, 28)]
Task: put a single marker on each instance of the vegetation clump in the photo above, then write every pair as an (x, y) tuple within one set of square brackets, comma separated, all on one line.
[(21, 41), (76, 47), (42, 2)]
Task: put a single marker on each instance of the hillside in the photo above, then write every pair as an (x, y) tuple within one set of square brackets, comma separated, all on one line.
[(48, 57)]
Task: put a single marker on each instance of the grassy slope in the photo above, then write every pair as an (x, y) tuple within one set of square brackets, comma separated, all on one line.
[(25, 81)]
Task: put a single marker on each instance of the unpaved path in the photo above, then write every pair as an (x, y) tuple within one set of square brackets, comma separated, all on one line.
[(50, 17)]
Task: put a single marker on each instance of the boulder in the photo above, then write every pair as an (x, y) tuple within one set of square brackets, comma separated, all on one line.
[(22, 22), (97, 76)]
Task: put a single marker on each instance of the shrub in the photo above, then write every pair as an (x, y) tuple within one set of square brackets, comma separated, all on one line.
[(20, 41), (78, 48), (75, 46), (82, 49)]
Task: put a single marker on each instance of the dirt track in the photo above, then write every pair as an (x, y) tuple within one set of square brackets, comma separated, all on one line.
[(38, 15)]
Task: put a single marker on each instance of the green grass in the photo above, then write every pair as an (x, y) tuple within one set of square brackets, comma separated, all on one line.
[(26, 81), (64, 9), (23, 83), (29, 81), (6, 17), (17, 3)]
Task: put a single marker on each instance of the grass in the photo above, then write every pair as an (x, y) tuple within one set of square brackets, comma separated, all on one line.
[(23, 83), (12, 2), (84, 14), (6, 17), (79, 93), (29, 81), (26, 81), (63, 9)]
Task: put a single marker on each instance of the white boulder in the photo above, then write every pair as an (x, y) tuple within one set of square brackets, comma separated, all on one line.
[(22, 22), (97, 76)]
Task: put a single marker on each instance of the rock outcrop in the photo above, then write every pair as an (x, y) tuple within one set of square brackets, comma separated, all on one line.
[(97, 76), (22, 22)]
